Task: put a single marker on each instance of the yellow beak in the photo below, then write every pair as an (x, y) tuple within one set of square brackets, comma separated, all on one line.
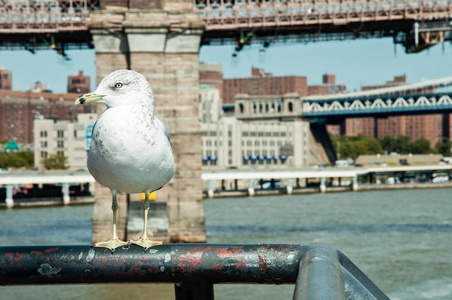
[(86, 98)]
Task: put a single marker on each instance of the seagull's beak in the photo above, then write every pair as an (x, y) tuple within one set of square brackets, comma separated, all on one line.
[(86, 98)]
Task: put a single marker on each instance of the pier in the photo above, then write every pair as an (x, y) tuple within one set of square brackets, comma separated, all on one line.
[(254, 182), (63, 180), (328, 179)]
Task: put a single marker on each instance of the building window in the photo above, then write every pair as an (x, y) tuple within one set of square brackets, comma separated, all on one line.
[(60, 153), (60, 133), (75, 133), (43, 133), (60, 144)]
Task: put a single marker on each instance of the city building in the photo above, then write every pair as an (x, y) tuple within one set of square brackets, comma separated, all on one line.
[(211, 74), (327, 87), (262, 83), (251, 138), (433, 127), (6, 79), (39, 87), (19, 109), (64, 138), (398, 80), (78, 83)]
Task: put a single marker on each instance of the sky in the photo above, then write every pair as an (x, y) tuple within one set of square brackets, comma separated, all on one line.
[(355, 63)]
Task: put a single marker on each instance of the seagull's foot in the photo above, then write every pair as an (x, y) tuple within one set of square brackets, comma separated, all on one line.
[(146, 243), (111, 244)]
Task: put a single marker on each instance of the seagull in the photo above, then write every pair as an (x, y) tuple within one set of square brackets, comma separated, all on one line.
[(130, 149)]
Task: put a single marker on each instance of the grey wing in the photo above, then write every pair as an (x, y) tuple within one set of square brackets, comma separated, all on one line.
[(163, 127), (92, 132)]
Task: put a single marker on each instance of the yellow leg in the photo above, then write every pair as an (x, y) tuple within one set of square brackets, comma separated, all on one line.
[(115, 242), (144, 241)]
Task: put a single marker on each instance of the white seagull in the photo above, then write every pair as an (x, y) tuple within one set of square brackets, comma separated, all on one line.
[(130, 150)]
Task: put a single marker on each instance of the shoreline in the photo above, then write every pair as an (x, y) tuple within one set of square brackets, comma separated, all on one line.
[(329, 189), (244, 193)]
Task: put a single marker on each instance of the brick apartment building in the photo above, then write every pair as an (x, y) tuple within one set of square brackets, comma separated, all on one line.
[(329, 86), (78, 83), (6, 79), (18, 110), (432, 127), (262, 83), (211, 74)]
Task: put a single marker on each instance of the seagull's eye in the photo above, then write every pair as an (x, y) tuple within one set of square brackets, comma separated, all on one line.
[(118, 85)]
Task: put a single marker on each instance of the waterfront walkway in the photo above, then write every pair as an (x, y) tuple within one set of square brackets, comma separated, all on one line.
[(224, 183), (322, 179)]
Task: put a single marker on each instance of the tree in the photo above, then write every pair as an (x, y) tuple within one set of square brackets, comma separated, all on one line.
[(388, 144), (401, 144), (56, 162), (444, 148), (420, 146), (352, 147), (16, 160)]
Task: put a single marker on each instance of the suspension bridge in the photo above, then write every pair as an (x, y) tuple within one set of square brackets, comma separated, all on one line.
[(417, 98), (415, 24)]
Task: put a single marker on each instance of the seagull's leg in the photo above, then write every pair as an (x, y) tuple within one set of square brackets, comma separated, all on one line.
[(144, 241), (115, 241)]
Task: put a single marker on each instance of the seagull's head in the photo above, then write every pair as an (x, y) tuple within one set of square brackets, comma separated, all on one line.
[(119, 88)]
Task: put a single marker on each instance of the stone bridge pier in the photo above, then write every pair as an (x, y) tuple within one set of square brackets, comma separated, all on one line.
[(161, 41)]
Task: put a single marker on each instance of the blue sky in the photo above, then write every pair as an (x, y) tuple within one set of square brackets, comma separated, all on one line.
[(355, 63)]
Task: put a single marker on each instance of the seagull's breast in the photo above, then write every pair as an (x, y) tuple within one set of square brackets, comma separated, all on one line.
[(129, 152)]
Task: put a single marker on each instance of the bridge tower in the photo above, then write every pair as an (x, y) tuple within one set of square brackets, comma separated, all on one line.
[(161, 40)]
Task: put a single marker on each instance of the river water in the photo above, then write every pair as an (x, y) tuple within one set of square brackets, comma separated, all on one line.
[(402, 240)]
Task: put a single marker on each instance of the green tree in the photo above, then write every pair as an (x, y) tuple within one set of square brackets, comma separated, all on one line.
[(353, 146), (420, 146), (444, 148), (56, 162), (401, 144), (16, 160), (388, 144)]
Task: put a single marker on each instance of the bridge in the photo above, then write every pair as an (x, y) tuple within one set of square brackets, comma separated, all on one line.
[(401, 100), (61, 25)]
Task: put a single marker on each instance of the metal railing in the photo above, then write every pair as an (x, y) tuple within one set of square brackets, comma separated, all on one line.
[(48, 16), (231, 14), (318, 272)]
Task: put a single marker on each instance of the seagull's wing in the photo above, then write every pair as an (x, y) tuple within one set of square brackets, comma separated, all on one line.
[(163, 127), (92, 132)]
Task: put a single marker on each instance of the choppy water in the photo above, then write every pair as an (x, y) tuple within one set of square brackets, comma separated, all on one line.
[(401, 240)]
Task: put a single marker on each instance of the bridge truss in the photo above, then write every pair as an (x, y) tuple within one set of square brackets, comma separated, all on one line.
[(44, 24), (416, 24), (332, 111), (402, 100)]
